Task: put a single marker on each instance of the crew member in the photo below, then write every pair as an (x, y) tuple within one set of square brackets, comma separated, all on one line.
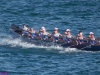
[(68, 36), (43, 33), (32, 33), (25, 30), (56, 34), (80, 37), (91, 38)]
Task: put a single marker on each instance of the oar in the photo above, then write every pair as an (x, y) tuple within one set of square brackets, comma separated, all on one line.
[(85, 47), (79, 44)]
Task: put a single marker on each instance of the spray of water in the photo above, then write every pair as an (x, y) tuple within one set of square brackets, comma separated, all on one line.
[(19, 43)]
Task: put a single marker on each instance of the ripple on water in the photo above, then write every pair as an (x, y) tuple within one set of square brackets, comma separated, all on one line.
[(22, 58)]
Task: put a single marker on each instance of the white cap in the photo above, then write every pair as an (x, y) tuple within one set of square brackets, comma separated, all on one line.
[(67, 29), (91, 33), (56, 28), (42, 27)]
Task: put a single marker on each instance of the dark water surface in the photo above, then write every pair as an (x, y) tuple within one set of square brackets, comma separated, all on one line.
[(22, 58)]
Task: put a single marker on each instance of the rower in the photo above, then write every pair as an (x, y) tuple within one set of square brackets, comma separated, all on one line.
[(43, 33), (91, 38), (32, 33), (80, 37), (68, 36), (25, 30), (31, 30), (56, 34)]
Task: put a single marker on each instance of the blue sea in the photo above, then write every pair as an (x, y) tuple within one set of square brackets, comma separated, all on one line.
[(22, 58)]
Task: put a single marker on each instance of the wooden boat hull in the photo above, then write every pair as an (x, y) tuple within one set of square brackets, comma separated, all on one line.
[(83, 47), (18, 32)]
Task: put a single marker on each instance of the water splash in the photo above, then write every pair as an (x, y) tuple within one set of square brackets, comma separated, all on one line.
[(19, 43)]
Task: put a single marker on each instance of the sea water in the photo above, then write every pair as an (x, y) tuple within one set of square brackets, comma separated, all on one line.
[(18, 57)]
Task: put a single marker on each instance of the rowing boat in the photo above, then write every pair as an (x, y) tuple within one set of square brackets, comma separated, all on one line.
[(17, 32)]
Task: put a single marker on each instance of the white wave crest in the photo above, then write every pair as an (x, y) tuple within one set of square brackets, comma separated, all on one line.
[(19, 43)]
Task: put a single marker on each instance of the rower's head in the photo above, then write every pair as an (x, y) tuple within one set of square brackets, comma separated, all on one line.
[(68, 30), (91, 33), (55, 29), (43, 29), (24, 25), (31, 29), (80, 32)]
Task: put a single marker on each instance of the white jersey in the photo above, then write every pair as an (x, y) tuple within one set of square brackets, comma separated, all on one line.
[(46, 33), (92, 38), (69, 36), (25, 28), (57, 35), (33, 31), (80, 37)]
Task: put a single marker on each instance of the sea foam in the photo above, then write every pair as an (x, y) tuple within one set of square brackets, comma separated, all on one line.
[(17, 42)]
